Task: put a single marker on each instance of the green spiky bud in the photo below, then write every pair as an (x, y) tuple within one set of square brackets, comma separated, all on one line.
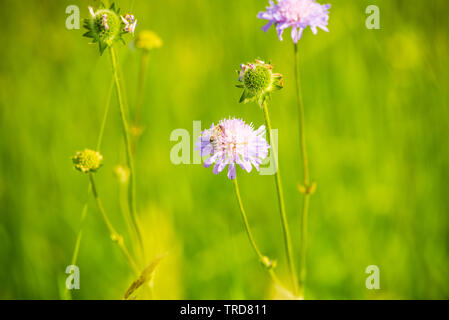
[(105, 26), (87, 160), (258, 81)]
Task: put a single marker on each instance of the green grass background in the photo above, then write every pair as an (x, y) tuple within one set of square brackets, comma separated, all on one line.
[(377, 122)]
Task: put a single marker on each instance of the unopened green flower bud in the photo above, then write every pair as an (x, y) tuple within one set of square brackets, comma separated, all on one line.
[(258, 81), (106, 26), (87, 161)]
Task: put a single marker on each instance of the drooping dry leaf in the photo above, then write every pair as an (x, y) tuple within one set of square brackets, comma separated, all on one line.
[(145, 276)]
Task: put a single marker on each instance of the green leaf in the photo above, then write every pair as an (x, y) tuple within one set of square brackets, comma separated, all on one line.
[(102, 46), (246, 96), (144, 277), (88, 34)]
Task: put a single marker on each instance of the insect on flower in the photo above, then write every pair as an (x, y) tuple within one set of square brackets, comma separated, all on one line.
[(232, 142)]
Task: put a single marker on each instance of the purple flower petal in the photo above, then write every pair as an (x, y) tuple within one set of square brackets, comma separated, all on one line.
[(295, 14)]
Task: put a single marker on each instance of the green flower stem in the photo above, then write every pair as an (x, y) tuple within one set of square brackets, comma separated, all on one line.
[(129, 156), (287, 241), (123, 202), (306, 177), (139, 100), (263, 259), (86, 205), (115, 236)]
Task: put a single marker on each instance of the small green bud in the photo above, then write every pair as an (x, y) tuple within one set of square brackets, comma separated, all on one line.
[(87, 161), (258, 81)]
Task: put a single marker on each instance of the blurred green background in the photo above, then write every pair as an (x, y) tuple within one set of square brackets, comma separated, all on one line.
[(377, 133)]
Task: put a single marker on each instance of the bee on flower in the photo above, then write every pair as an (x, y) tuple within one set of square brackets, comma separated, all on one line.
[(233, 142)]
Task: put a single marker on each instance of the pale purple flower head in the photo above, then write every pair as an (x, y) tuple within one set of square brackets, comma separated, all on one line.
[(297, 14), (233, 141), (130, 23)]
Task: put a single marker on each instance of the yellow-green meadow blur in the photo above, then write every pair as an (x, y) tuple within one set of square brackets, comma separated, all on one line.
[(377, 128)]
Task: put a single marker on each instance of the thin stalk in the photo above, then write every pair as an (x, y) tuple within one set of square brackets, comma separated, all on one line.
[(287, 241), (306, 177), (123, 201), (261, 257), (86, 204), (139, 99), (303, 244), (129, 156), (115, 236)]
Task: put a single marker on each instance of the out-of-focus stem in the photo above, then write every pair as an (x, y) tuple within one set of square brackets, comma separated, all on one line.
[(139, 100), (86, 205), (263, 259), (129, 155), (115, 236), (287, 241), (306, 182)]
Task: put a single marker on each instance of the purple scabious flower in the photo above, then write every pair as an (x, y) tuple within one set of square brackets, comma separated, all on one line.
[(233, 141), (297, 14)]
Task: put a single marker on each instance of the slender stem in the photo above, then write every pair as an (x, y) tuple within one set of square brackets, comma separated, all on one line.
[(139, 100), (86, 204), (129, 157), (261, 257), (302, 135), (123, 202), (79, 236), (287, 241), (245, 220), (306, 177), (115, 236), (303, 244)]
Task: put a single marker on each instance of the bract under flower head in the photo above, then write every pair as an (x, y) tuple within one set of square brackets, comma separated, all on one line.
[(232, 142), (258, 81), (297, 14)]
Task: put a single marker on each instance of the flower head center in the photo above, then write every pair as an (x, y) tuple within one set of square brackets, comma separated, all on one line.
[(257, 79)]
